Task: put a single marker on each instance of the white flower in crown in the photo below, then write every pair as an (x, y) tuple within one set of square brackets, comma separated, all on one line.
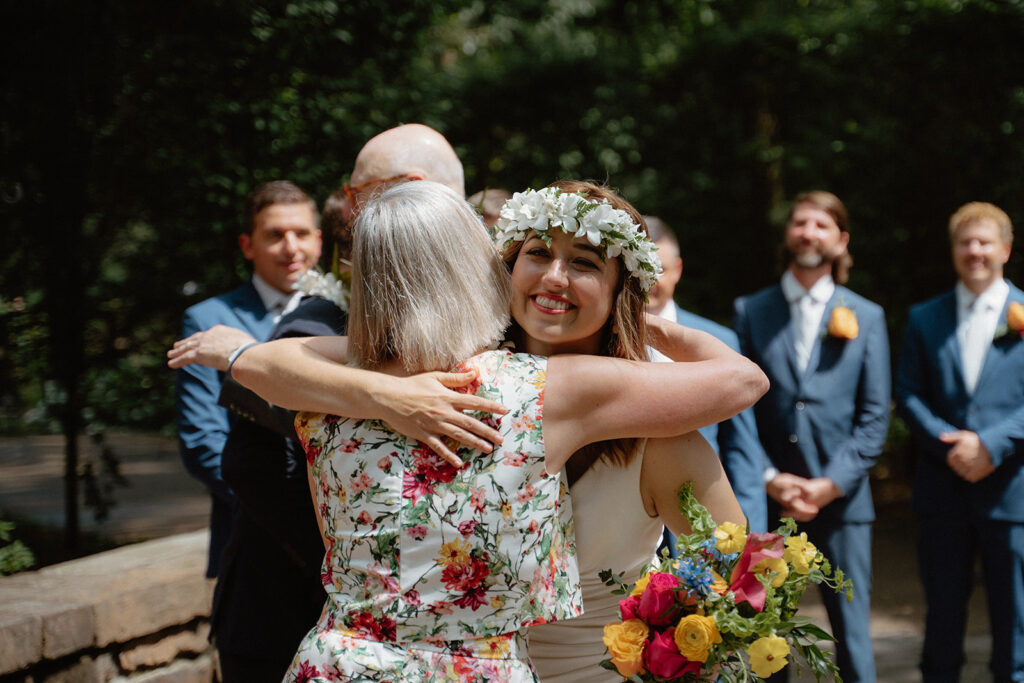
[(540, 211), (325, 286)]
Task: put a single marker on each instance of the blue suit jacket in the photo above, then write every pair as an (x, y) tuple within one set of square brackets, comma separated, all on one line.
[(735, 440), (932, 398), (831, 419), (202, 424)]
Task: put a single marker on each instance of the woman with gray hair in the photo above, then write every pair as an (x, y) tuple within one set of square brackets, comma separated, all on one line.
[(432, 571)]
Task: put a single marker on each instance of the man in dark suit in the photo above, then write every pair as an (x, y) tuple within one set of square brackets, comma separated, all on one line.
[(270, 593), (824, 420), (734, 440), (280, 236), (960, 387)]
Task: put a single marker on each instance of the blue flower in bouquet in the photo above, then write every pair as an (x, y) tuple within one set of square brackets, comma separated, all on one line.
[(696, 575)]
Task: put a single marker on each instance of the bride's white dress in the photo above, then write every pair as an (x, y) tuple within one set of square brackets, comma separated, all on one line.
[(613, 531)]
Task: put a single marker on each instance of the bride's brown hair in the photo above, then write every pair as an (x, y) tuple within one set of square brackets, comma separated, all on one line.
[(624, 334)]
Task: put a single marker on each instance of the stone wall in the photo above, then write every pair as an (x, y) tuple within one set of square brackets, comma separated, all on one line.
[(137, 613)]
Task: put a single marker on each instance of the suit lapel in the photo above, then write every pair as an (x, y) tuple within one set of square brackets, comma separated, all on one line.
[(999, 347), (779, 334)]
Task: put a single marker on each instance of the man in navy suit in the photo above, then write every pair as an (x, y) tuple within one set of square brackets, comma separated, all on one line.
[(824, 420), (960, 387), (281, 238), (735, 440)]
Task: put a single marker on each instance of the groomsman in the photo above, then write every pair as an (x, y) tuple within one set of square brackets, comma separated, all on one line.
[(281, 237), (824, 420), (960, 387), (735, 440)]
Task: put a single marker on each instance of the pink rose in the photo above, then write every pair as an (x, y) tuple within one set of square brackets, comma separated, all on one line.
[(662, 657), (744, 582), (627, 607), (659, 602), (466, 528)]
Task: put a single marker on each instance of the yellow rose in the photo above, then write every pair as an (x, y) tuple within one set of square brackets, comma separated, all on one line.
[(641, 584), (695, 635), (843, 323), (768, 655), (801, 553), (719, 585), (773, 564), (625, 642), (731, 538), (1015, 317)]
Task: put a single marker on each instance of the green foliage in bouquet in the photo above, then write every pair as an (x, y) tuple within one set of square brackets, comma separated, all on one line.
[(725, 609)]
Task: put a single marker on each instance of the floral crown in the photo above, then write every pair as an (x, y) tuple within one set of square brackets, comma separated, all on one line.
[(540, 211)]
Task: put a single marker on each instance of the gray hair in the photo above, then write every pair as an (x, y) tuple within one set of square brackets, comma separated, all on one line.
[(428, 287)]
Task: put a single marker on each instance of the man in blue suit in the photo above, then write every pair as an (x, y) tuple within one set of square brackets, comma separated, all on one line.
[(960, 387), (824, 420), (734, 440), (280, 236)]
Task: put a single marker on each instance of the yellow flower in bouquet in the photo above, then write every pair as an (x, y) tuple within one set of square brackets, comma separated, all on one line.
[(777, 565), (641, 584), (801, 553), (768, 655), (731, 537), (694, 636), (625, 642)]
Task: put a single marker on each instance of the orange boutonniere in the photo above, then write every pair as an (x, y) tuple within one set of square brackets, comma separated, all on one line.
[(843, 323), (1014, 321)]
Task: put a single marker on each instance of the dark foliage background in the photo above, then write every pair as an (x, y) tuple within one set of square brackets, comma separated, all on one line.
[(131, 132)]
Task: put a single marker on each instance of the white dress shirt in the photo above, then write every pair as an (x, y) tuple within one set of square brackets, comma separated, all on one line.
[(274, 300), (806, 308), (668, 312), (977, 318)]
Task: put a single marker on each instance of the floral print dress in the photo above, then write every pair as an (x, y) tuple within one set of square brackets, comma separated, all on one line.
[(433, 573)]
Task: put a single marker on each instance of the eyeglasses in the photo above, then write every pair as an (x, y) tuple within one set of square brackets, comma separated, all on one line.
[(357, 194)]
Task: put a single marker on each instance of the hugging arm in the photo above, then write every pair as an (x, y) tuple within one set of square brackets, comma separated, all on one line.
[(670, 463), (590, 398), (308, 374)]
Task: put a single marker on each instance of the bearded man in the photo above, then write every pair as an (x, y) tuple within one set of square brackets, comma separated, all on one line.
[(825, 418)]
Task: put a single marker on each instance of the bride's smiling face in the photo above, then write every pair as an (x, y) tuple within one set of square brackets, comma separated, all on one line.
[(562, 295)]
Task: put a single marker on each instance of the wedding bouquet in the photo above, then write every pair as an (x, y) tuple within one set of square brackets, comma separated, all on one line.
[(724, 609)]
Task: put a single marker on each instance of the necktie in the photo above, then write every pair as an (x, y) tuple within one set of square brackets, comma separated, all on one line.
[(975, 345), (807, 328)]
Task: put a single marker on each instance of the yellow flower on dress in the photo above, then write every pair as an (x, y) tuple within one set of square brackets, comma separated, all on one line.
[(1015, 317), (625, 641), (455, 551), (843, 323), (773, 564), (694, 636), (731, 538), (497, 602), (801, 553), (538, 379), (768, 655)]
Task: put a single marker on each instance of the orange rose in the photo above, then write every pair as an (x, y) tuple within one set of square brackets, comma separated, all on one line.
[(1015, 317), (843, 323), (625, 642)]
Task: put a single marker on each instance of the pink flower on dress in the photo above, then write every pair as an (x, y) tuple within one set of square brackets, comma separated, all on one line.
[(412, 597), (526, 494), (306, 672), (350, 446), (478, 499), (361, 483), (414, 487), (365, 518), (515, 459), (384, 464), (417, 532), (466, 528)]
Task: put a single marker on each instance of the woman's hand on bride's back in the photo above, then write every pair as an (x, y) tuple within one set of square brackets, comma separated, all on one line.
[(425, 407)]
